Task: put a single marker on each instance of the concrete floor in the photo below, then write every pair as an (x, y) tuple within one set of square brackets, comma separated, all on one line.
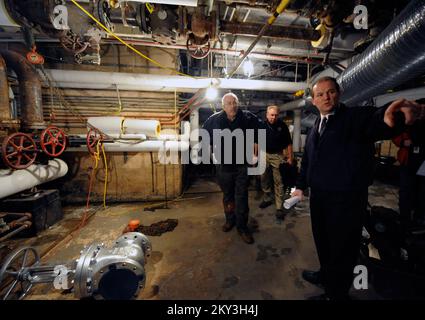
[(197, 260)]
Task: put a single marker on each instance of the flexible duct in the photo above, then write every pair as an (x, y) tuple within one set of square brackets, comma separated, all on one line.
[(12, 182), (396, 56), (29, 89)]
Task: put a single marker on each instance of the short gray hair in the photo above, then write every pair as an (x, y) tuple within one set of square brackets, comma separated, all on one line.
[(273, 107), (232, 95)]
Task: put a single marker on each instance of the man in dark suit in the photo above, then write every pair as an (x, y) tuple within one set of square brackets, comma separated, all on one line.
[(337, 165)]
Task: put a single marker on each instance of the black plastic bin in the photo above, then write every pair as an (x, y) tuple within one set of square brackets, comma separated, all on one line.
[(44, 205)]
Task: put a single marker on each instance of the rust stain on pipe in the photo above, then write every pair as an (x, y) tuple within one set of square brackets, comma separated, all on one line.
[(5, 114), (29, 89)]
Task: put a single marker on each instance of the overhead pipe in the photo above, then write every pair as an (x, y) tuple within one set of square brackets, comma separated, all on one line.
[(168, 83), (282, 5), (186, 3), (396, 56), (286, 32), (314, 58), (12, 182), (148, 146), (29, 89)]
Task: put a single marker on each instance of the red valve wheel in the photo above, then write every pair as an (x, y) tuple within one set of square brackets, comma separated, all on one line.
[(19, 150), (94, 137), (53, 141)]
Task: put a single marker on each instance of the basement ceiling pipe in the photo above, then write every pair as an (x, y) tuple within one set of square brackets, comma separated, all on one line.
[(29, 89), (147, 146), (186, 3), (396, 56), (12, 182), (168, 83)]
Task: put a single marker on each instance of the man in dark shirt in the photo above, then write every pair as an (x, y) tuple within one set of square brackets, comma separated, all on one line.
[(278, 150), (231, 125), (337, 166)]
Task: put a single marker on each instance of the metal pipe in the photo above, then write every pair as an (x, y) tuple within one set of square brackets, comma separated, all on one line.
[(29, 89), (396, 56), (187, 3), (132, 81), (286, 32), (296, 137), (237, 53), (12, 233), (283, 4)]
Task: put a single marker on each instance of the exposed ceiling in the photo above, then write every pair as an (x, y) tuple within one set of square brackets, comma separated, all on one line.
[(306, 37)]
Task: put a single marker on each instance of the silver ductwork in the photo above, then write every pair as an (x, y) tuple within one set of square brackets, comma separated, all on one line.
[(396, 56)]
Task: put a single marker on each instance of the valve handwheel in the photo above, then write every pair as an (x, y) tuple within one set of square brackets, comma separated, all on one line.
[(53, 141), (94, 137), (15, 271), (19, 150)]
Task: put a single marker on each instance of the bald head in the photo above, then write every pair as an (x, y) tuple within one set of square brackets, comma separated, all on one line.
[(230, 104)]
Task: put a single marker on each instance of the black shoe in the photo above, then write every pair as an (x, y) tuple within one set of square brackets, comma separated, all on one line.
[(247, 237), (322, 297), (280, 214), (314, 277), (227, 226), (265, 204)]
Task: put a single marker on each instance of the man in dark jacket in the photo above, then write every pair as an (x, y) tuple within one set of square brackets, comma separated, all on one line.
[(232, 124), (337, 165)]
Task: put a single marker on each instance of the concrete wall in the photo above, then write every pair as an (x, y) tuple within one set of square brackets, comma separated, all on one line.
[(131, 177)]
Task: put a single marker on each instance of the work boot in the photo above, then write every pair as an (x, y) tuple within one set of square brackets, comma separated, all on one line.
[(265, 204), (280, 214), (314, 277), (227, 226), (247, 237)]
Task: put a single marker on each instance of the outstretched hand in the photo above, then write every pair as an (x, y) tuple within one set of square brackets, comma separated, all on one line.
[(410, 109)]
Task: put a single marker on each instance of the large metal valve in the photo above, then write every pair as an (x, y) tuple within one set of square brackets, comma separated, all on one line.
[(109, 273)]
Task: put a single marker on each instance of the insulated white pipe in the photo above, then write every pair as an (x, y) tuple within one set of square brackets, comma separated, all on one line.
[(148, 146), (12, 182), (120, 125), (154, 82), (187, 3), (184, 136)]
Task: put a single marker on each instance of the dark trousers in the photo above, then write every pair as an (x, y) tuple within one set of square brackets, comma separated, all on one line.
[(411, 195), (337, 219), (233, 182)]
